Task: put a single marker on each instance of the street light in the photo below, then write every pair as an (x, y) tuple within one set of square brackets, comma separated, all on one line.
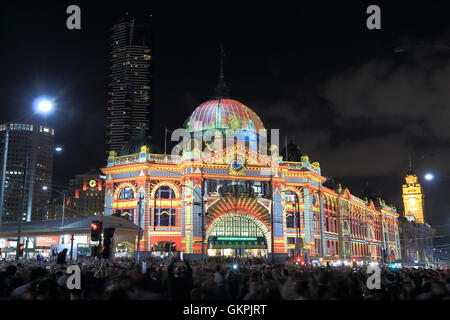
[(43, 105), (429, 176), (58, 149)]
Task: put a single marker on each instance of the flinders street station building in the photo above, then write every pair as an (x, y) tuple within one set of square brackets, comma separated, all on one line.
[(237, 201)]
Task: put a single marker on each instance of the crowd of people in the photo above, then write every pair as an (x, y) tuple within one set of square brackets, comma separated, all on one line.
[(158, 279)]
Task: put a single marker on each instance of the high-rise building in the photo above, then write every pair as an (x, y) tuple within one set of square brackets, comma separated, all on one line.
[(413, 197), (129, 89), (29, 167), (86, 195)]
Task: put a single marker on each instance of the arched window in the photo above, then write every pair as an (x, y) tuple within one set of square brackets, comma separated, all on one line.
[(165, 192), (126, 193), (291, 219), (165, 217), (293, 214)]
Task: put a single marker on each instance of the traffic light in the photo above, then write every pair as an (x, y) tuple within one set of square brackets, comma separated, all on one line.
[(354, 262), (107, 242), (106, 252), (95, 251), (298, 261), (21, 249), (96, 230)]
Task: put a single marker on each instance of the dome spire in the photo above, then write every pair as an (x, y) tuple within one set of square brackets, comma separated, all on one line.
[(221, 91)]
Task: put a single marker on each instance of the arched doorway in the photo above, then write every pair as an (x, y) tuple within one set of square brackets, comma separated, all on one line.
[(238, 234)]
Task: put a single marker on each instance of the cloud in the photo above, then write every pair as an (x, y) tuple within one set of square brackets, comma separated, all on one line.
[(415, 93)]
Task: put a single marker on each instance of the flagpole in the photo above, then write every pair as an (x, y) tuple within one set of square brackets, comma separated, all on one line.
[(285, 143), (165, 140)]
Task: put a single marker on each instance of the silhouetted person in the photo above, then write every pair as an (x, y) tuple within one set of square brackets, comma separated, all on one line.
[(180, 281), (62, 257)]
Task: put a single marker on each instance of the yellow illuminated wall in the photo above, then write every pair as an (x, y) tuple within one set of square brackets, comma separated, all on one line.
[(413, 198)]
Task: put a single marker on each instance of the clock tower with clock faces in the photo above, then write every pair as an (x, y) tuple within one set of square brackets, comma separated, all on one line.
[(413, 197)]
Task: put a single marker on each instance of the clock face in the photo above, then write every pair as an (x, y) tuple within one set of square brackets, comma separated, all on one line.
[(92, 183), (236, 165), (412, 201)]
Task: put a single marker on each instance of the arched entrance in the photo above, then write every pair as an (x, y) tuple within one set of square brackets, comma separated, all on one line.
[(238, 234)]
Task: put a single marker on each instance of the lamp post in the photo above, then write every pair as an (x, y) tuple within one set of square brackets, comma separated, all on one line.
[(138, 249), (22, 208), (72, 238), (5, 161), (63, 194), (202, 208)]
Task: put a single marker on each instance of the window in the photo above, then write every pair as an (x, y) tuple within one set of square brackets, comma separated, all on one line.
[(212, 185), (257, 187), (316, 221), (165, 192), (165, 217), (290, 240), (290, 196), (266, 190), (290, 220), (126, 194), (237, 226)]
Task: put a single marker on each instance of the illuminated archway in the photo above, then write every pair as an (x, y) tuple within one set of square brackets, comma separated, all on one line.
[(165, 184), (123, 186), (259, 229)]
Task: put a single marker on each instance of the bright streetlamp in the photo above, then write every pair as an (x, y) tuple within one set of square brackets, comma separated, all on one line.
[(43, 105), (429, 176)]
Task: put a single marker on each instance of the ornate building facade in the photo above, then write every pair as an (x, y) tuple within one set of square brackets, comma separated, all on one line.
[(413, 198), (416, 236), (235, 200)]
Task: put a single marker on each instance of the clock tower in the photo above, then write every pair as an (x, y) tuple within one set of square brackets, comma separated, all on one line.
[(413, 197)]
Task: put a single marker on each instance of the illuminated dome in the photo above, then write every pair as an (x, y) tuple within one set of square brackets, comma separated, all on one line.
[(223, 114)]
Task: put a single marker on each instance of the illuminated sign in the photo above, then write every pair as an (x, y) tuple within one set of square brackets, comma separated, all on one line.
[(47, 241), (236, 239)]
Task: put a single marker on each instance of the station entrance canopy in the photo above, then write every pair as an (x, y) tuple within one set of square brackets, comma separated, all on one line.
[(237, 243)]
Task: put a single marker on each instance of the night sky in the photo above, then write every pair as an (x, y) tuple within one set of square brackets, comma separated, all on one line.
[(315, 72)]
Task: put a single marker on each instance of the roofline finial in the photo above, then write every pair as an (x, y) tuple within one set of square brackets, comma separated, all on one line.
[(221, 90), (222, 56), (410, 171)]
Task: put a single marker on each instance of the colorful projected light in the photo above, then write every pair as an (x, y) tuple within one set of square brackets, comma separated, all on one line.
[(223, 114)]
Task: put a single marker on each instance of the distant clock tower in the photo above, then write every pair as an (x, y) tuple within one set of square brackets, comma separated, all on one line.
[(413, 197)]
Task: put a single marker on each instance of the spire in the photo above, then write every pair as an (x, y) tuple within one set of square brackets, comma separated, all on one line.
[(410, 171), (221, 91)]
